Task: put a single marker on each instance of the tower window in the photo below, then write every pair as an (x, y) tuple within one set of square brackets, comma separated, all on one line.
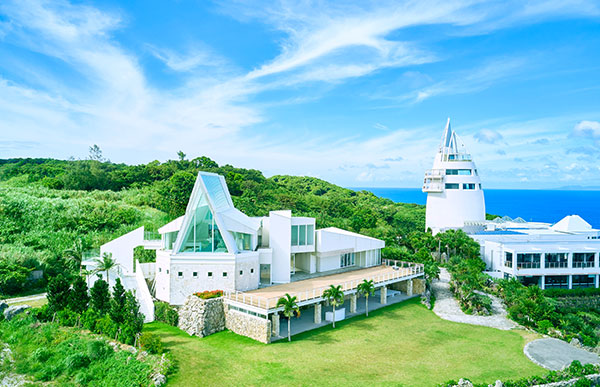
[(241, 272), (210, 273), (452, 186), (180, 274), (251, 271), (468, 185), (224, 274), (195, 274)]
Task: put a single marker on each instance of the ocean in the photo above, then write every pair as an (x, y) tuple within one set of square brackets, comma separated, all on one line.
[(532, 205)]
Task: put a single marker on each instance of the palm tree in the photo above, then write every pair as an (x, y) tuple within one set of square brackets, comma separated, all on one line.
[(74, 255), (335, 296), (105, 264), (366, 288), (290, 306)]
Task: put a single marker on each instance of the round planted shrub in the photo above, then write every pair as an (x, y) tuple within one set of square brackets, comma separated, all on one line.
[(76, 361), (151, 343)]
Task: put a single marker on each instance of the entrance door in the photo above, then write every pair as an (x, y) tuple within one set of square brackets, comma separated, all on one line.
[(265, 274)]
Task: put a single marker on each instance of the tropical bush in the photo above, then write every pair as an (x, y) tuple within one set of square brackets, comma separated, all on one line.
[(166, 313), (207, 294), (151, 343)]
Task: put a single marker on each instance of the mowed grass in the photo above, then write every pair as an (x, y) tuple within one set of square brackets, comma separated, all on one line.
[(404, 344)]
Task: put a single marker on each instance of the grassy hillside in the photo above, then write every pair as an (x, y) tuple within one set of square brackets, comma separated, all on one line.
[(53, 210)]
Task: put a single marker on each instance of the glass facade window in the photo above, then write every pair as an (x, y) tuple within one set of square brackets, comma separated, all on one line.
[(462, 172), (216, 191), (508, 259), (556, 260), (203, 234), (583, 260), (169, 240), (557, 281), (303, 235), (468, 185), (528, 261), (310, 234), (584, 281), (243, 241), (452, 186), (347, 259), (294, 235)]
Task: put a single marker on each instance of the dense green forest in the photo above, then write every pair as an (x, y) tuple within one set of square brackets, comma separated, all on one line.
[(51, 211)]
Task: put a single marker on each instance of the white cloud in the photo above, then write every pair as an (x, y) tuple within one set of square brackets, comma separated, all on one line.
[(589, 129), (488, 136)]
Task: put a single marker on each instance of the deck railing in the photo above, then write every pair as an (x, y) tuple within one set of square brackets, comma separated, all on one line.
[(401, 269)]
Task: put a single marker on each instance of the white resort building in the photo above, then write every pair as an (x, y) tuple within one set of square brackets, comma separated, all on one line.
[(254, 260), (563, 255)]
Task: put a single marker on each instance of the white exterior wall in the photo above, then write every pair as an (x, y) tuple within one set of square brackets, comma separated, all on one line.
[(163, 278), (326, 263), (451, 208), (122, 249), (248, 266), (280, 240)]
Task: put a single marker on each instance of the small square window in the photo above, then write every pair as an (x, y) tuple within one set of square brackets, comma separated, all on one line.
[(210, 273), (160, 269), (167, 271), (180, 274), (224, 274), (251, 271), (195, 274), (241, 272)]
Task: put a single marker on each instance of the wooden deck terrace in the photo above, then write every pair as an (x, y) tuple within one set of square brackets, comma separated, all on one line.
[(310, 291)]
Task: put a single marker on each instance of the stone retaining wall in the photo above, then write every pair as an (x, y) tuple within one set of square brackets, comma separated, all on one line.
[(200, 317), (247, 325), (418, 286)]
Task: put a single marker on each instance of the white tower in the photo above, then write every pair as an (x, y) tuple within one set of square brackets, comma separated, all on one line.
[(453, 187)]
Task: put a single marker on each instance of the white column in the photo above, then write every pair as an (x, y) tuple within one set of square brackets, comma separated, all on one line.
[(543, 282), (570, 281), (597, 281), (543, 261), (318, 313), (409, 288), (353, 303), (275, 324), (570, 262), (383, 298), (596, 260)]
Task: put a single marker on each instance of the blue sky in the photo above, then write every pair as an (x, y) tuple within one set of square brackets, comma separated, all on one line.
[(357, 94)]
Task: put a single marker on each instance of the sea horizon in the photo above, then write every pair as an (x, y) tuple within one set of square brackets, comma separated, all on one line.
[(541, 205)]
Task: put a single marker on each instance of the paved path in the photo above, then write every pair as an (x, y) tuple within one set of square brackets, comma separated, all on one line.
[(17, 300), (447, 307), (555, 354)]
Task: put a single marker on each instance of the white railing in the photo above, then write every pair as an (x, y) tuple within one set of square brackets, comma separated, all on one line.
[(435, 173), (402, 269), (433, 187)]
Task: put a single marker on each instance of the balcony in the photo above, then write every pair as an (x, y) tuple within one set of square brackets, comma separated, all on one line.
[(528, 265), (508, 263), (435, 174), (582, 264), (457, 157), (431, 186), (556, 265)]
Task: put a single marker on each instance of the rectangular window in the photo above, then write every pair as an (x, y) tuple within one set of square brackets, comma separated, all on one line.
[(557, 281), (347, 259), (581, 260), (241, 272), (508, 257), (310, 234), (529, 260), (160, 269), (294, 235), (167, 271), (180, 274), (461, 172), (468, 186), (452, 186), (195, 274), (302, 236), (224, 274), (210, 273), (251, 271), (584, 281), (556, 260)]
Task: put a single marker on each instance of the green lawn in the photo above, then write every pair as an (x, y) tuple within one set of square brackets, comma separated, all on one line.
[(403, 344)]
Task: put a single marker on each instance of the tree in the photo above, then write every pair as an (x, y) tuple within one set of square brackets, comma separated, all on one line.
[(74, 254), (13, 277), (106, 263), (366, 288), (335, 296), (117, 303), (58, 293), (290, 306), (181, 155), (79, 297), (96, 153), (100, 296)]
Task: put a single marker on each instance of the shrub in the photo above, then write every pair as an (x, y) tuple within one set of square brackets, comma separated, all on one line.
[(13, 277), (207, 294), (166, 313), (41, 355), (76, 361), (151, 343), (98, 350), (544, 326), (67, 317)]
